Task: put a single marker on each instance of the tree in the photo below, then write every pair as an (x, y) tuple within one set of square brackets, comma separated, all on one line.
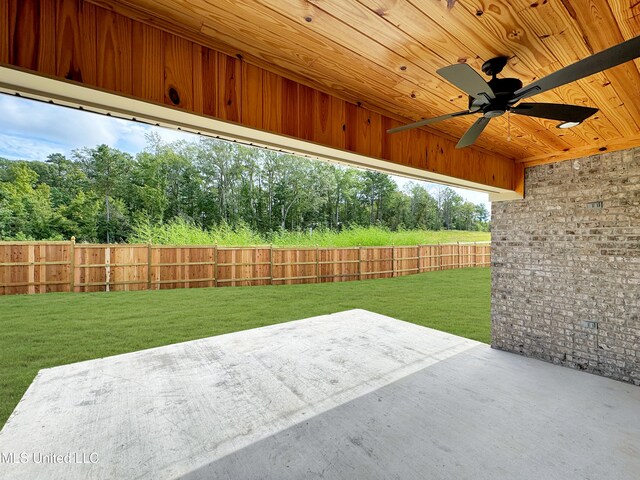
[(377, 189), (216, 162), (108, 169), (66, 179), (82, 216), (25, 206), (481, 213), (99, 193), (116, 226), (398, 213), (424, 209), (449, 203), (465, 217)]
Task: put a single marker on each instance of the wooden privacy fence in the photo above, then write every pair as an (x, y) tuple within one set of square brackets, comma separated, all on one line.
[(39, 267)]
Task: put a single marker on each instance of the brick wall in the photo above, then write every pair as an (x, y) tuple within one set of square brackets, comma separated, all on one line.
[(566, 268)]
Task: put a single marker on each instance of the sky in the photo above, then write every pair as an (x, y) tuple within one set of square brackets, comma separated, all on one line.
[(31, 130)]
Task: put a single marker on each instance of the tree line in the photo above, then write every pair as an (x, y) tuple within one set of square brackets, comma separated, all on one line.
[(102, 194)]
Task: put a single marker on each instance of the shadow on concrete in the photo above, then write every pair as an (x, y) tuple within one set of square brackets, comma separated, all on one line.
[(483, 414)]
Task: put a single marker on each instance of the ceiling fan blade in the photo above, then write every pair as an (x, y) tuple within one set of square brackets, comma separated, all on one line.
[(468, 80), (427, 121), (473, 133), (555, 111), (598, 62)]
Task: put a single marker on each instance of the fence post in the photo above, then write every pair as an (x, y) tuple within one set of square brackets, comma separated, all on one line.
[(317, 264), (31, 270), (419, 260), (216, 268), (393, 260), (186, 270), (148, 265), (107, 268), (359, 262), (459, 255), (475, 254), (72, 264), (439, 256), (271, 264)]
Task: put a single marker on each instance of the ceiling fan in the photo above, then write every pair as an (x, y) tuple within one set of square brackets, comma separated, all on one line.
[(500, 95)]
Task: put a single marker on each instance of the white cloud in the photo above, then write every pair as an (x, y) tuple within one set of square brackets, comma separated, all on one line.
[(20, 147), (32, 130)]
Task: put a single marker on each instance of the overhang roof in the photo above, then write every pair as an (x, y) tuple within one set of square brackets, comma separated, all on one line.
[(384, 54)]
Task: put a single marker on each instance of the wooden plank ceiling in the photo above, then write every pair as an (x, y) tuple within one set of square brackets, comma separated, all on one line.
[(384, 54)]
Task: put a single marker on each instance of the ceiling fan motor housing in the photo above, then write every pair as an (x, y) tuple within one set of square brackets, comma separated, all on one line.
[(503, 89)]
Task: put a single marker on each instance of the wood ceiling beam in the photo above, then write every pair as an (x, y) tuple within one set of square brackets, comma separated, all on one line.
[(99, 48)]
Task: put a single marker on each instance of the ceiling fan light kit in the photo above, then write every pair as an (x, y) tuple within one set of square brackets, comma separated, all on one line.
[(568, 124), (501, 95)]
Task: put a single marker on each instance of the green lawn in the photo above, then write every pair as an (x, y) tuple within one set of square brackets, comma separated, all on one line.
[(40, 331)]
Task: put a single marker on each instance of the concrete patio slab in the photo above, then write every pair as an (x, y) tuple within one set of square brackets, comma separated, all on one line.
[(350, 395)]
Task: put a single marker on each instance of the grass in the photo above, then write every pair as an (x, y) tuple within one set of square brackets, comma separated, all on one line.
[(41, 331), (180, 232), (375, 236)]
